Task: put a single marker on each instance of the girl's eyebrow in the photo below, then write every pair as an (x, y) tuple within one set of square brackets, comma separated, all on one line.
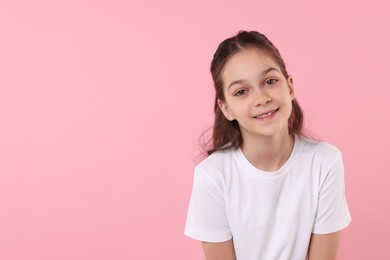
[(262, 73)]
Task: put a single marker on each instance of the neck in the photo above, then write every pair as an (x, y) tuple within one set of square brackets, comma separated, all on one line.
[(269, 153)]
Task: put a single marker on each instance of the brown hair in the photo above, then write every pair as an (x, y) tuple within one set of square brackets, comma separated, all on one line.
[(226, 134)]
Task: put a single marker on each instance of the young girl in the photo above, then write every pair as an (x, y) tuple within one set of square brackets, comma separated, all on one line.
[(265, 192)]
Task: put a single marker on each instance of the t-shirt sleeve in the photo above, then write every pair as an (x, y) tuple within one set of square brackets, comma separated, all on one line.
[(332, 212), (206, 218)]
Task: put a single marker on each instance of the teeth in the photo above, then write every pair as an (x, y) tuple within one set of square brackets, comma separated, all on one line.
[(262, 116)]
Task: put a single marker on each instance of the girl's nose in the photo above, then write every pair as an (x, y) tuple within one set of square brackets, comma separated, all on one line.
[(262, 99)]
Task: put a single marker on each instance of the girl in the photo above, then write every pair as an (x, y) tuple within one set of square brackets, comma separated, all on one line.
[(265, 192)]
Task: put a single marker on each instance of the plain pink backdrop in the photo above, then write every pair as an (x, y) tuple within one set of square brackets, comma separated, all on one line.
[(102, 104)]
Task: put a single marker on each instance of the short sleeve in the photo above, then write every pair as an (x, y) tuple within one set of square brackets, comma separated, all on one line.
[(206, 218), (332, 212)]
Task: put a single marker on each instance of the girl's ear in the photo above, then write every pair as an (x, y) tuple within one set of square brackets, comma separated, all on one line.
[(291, 86), (225, 110)]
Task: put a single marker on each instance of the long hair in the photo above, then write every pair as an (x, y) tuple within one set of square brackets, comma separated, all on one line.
[(226, 134)]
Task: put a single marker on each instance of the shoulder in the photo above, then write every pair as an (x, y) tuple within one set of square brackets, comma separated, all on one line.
[(320, 151), (216, 165), (216, 160)]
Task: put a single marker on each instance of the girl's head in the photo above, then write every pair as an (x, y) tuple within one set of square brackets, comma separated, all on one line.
[(227, 133)]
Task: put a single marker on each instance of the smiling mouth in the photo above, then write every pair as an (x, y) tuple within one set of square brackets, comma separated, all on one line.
[(267, 114)]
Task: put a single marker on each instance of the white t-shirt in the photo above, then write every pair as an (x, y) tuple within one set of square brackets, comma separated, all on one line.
[(270, 215)]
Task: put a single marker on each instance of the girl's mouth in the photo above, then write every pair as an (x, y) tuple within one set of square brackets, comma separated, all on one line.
[(267, 115)]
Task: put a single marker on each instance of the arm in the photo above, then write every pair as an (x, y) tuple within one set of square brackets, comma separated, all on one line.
[(219, 251), (324, 247)]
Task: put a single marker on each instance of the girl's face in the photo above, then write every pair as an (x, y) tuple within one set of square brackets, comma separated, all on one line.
[(257, 94)]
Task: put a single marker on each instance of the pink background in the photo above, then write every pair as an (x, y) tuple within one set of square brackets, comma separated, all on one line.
[(102, 104)]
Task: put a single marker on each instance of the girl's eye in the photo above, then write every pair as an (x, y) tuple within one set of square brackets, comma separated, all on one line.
[(240, 92), (271, 81)]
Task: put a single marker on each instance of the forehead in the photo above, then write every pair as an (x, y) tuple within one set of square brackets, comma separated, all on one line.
[(246, 64)]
